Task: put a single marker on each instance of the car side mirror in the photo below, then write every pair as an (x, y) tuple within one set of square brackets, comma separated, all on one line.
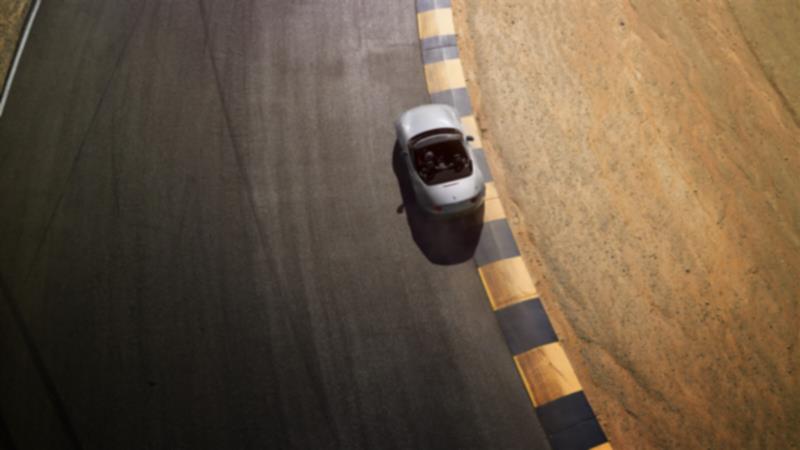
[(470, 138)]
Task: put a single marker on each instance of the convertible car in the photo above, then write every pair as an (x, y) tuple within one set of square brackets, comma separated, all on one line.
[(440, 160)]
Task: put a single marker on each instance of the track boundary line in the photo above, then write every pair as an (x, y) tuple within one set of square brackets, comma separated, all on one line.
[(26, 29)]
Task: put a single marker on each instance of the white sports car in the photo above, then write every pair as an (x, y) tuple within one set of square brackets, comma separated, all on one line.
[(440, 161)]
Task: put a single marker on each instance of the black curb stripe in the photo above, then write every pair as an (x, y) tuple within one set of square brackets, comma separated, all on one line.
[(526, 326), (427, 5), (496, 243), (564, 413), (457, 98), (448, 40), (438, 54), (480, 160), (582, 436)]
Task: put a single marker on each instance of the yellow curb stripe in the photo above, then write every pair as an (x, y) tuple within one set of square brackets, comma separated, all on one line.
[(436, 22), (493, 210), (477, 142), (548, 373), (444, 75), (507, 282), (471, 129), (528, 387), (605, 446), (491, 191)]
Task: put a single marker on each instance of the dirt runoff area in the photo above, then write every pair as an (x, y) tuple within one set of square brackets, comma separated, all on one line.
[(649, 155), (12, 18)]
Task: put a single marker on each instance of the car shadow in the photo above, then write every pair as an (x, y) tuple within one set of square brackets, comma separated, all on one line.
[(444, 241)]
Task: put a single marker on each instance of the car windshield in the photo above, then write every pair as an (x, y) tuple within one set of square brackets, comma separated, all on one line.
[(441, 159)]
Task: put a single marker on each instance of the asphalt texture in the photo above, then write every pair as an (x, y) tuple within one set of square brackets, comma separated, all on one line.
[(201, 244)]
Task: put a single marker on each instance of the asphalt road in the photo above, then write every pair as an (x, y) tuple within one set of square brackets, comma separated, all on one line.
[(200, 243)]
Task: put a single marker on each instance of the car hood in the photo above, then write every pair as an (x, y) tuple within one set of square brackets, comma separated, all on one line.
[(428, 117)]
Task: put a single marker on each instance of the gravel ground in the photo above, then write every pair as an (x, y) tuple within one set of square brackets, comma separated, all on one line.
[(648, 155), (12, 16)]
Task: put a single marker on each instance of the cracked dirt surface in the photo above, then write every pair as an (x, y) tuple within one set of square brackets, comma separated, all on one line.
[(648, 155)]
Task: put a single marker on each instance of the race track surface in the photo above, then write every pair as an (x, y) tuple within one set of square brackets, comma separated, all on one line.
[(200, 244)]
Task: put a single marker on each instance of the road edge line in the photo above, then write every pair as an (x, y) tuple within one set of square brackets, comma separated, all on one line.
[(9, 79)]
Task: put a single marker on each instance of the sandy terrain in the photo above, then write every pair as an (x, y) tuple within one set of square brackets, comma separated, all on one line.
[(649, 153), (12, 16)]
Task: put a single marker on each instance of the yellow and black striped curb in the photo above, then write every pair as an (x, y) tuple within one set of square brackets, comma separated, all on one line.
[(548, 376), (8, 76)]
